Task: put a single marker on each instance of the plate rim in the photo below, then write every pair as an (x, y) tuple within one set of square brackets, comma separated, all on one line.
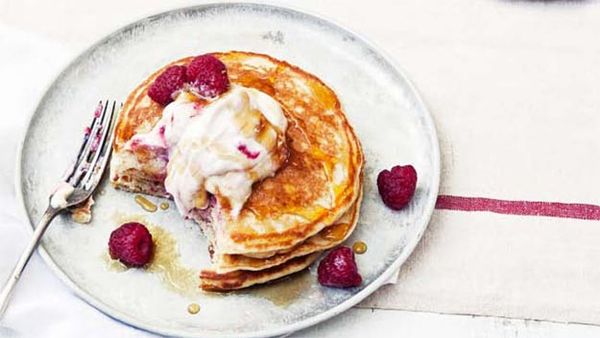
[(124, 318)]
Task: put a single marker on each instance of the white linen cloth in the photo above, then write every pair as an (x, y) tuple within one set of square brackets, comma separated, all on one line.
[(42, 306), (513, 87)]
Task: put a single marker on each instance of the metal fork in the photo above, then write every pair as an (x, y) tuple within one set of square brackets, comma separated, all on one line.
[(82, 176)]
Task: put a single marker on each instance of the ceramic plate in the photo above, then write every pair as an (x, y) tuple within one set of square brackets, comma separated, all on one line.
[(390, 119)]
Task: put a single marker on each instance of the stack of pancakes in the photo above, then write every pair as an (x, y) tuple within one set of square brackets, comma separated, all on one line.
[(310, 204)]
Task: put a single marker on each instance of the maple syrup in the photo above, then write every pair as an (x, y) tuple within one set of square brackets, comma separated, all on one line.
[(193, 308), (167, 264), (283, 293), (359, 247), (145, 203)]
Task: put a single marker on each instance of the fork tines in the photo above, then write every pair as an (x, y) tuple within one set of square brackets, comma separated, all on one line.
[(95, 149)]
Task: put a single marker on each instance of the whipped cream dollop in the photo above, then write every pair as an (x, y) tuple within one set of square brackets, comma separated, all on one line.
[(222, 147), (175, 118)]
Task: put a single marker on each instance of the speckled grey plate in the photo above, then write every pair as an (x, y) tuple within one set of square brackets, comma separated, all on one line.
[(392, 123)]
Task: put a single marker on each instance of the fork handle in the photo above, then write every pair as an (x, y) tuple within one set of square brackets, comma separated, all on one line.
[(41, 227)]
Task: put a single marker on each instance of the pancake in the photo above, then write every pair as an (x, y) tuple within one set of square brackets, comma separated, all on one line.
[(310, 204), (316, 186), (325, 239), (212, 281)]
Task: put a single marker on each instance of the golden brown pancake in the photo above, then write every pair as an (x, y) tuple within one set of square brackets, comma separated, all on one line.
[(325, 239), (288, 216), (232, 272), (212, 281)]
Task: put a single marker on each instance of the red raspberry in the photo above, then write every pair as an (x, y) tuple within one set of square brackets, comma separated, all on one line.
[(131, 243), (397, 186), (338, 269), (208, 75), (172, 79)]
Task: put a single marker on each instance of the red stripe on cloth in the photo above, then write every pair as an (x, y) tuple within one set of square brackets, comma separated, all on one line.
[(529, 208)]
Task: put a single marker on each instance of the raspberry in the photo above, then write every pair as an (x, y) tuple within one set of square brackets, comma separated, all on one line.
[(397, 186), (172, 79), (338, 269), (208, 75), (131, 243)]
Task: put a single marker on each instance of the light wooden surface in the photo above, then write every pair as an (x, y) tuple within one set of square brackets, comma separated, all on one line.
[(74, 25)]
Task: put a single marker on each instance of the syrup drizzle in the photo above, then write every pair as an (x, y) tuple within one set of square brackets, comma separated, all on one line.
[(145, 203), (165, 262)]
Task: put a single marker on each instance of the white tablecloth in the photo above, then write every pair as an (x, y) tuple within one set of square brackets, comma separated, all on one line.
[(42, 306)]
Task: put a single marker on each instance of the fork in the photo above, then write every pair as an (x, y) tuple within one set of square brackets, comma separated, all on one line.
[(75, 187)]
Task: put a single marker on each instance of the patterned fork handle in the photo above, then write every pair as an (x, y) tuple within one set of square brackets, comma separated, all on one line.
[(76, 186)]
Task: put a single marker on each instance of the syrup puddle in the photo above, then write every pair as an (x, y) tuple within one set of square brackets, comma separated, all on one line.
[(284, 292), (166, 261)]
